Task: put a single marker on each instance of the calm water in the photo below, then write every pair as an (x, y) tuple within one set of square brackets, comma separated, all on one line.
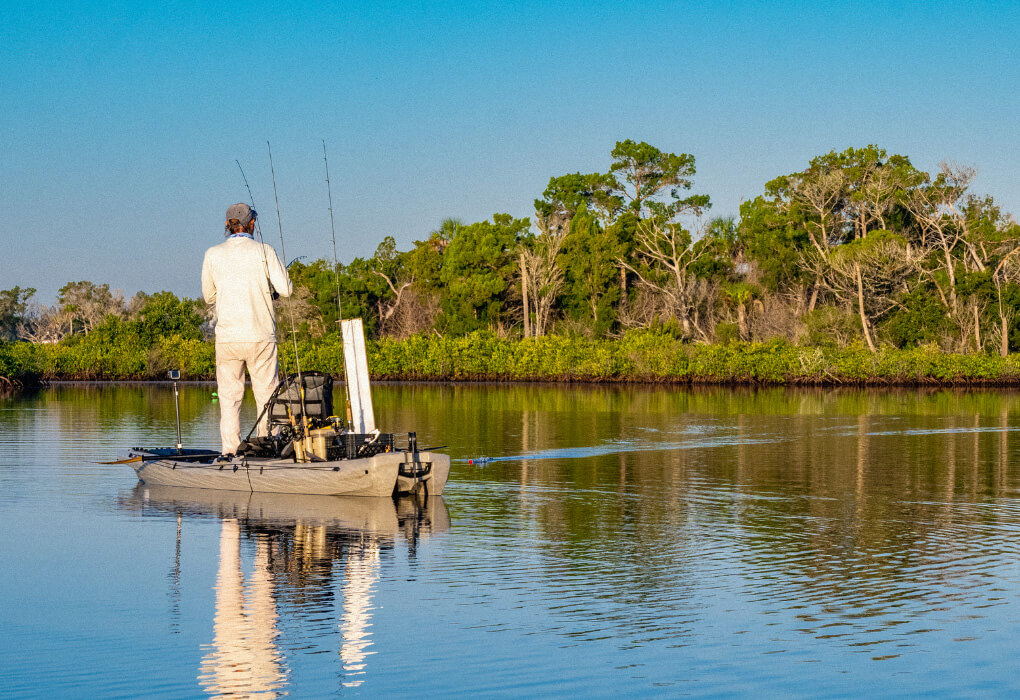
[(622, 541)]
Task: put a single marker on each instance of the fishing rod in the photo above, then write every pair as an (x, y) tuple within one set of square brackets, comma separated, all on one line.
[(290, 303), (336, 278), (265, 264), (258, 231), (258, 228)]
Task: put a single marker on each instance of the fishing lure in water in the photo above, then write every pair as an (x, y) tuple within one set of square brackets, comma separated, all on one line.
[(480, 460)]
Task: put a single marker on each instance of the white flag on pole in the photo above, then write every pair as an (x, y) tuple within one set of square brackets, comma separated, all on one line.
[(359, 388)]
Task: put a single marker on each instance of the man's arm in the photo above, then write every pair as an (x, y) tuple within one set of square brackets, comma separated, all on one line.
[(208, 286), (278, 276)]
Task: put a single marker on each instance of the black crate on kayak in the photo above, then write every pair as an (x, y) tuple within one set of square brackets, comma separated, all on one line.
[(357, 445)]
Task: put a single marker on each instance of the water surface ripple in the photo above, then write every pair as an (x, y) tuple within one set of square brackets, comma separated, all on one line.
[(631, 541)]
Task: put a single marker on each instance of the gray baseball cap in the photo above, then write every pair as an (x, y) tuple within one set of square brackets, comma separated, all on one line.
[(242, 212)]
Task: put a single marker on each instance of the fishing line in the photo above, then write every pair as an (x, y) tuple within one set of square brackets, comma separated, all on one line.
[(258, 227), (336, 278), (265, 265), (290, 298)]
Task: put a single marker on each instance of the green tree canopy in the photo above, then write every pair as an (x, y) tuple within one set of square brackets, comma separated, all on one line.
[(13, 304), (477, 268)]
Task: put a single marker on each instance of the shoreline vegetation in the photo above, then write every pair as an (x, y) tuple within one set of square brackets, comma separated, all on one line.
[(859, 269), (637, 357)]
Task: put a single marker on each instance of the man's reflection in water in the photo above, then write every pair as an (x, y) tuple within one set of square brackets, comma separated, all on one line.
[(244, 658)]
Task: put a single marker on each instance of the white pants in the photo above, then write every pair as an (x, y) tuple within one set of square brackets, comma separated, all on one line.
[(231, 359)]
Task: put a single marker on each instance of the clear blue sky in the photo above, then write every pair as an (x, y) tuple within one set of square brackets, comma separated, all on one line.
[(120, 123)]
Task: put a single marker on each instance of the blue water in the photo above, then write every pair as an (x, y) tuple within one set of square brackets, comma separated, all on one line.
[(640, 542)]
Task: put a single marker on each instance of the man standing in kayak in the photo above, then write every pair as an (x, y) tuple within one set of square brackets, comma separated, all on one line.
[(239, 279)]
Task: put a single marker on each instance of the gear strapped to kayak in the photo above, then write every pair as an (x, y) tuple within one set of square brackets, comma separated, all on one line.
[(307, 430)]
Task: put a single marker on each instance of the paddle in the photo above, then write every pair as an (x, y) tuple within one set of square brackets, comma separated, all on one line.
[(153, 458)]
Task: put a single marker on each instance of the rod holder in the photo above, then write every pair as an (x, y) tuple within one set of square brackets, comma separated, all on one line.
[(174, 375)]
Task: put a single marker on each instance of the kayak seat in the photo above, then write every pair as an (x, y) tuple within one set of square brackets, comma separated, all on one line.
[(287, 401)]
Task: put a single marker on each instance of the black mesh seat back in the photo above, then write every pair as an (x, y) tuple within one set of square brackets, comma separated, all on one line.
[(318, 398)]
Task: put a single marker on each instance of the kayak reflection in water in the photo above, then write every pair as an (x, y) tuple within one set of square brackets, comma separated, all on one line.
[(296, 546)]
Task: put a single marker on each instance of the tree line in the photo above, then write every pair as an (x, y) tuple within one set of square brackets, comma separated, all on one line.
[(86, 307), (860, 248)]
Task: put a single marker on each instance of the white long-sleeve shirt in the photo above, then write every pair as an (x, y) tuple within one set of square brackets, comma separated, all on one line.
[(236, 275)]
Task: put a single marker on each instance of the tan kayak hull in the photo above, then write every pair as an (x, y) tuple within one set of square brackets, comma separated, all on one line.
[(371, 476)]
